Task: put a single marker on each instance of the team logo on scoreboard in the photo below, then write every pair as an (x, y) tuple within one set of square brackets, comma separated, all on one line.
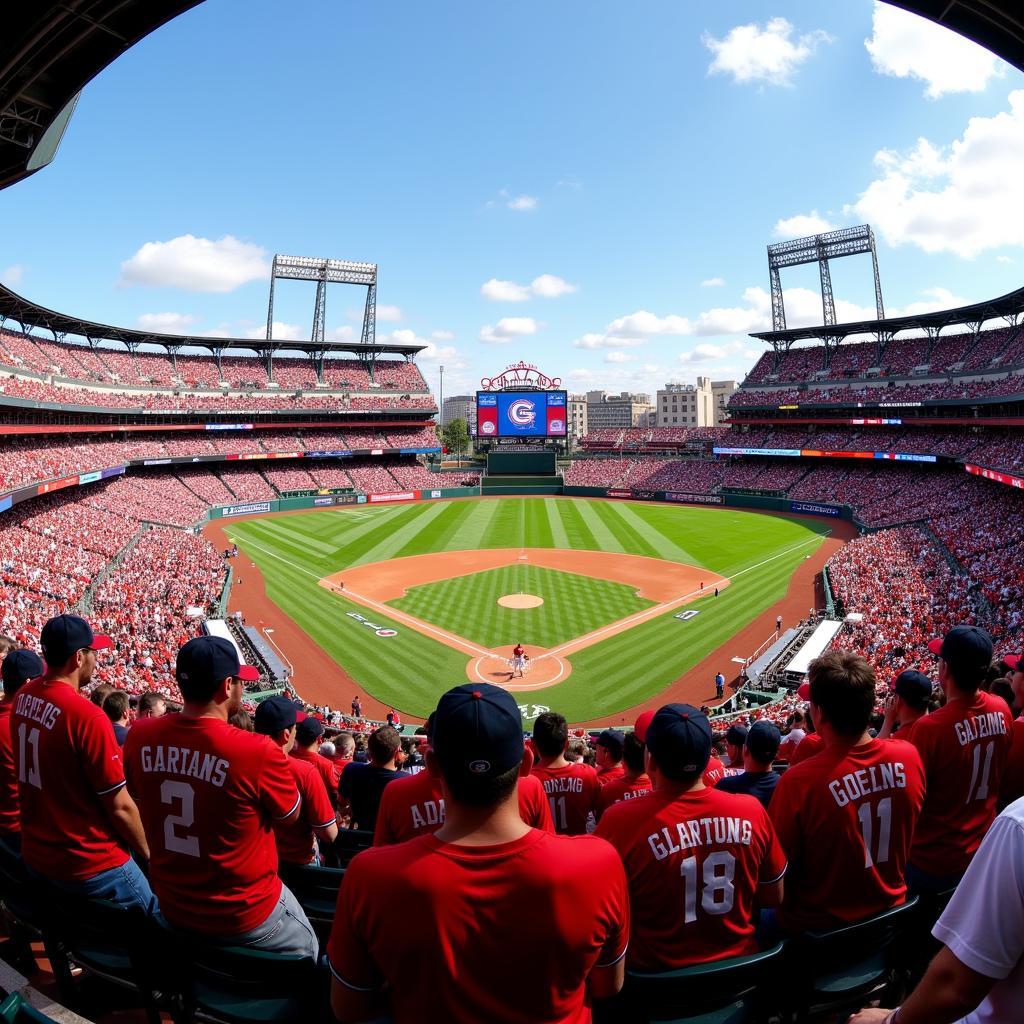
[(521, 412), (556, 426), (487, 427)]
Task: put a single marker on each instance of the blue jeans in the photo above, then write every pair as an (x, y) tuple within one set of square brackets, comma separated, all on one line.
[(286, 930), (126, 886)]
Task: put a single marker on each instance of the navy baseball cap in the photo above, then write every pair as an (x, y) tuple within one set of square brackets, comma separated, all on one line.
[(679, 738), (63, 635), (736, 735), (613, 741), (308, 730), (274, 715), (478, 731), (211, 659), (763, 740), (914, 687), (20, 666), (964, 648)]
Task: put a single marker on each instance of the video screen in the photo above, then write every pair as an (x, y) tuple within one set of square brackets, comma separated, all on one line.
[(521, 414)]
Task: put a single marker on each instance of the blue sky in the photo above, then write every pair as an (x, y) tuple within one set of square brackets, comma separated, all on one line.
[(584, 184)]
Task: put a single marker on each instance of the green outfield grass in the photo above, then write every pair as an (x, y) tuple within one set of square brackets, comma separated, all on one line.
[(758, 552), (573, 605)]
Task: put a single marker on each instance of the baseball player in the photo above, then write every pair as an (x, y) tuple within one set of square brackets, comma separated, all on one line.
[(572, 787), (964, 746), (846, 816), (464, 884), (696, 859), (19, 666), (518, 661), (210, 795), (78, 821), (297, 841), (414, 806)]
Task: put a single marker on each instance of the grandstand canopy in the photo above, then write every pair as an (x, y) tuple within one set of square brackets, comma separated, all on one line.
[(29, 314), (1009, 305)]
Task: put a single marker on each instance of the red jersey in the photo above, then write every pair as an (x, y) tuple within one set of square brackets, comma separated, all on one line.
[(67, 759), (846, 819), (964, 747), (621, 789), (414, 806), (572, 794), (329, 771), (810, 745), (1012, 786), (714, 773), (295, 839), (694, 862), (609, 775), (480, 950), (209, 794), (10, 820)]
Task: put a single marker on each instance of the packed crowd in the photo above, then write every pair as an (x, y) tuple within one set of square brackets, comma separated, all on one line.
[(648, 438)]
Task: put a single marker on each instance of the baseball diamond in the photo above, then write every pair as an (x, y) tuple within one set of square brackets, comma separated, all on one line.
[(612, 577)]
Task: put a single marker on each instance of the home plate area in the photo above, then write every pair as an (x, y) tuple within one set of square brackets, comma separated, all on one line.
[(378, 586)]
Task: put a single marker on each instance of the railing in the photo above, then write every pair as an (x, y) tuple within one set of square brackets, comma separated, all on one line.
[(84, 605)]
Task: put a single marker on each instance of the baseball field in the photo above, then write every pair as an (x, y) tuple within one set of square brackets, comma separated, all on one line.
[(613, 601)]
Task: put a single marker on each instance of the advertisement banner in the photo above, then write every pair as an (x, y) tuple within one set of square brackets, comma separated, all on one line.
[(789, 452), (156, 462), (418, 451), (328, 455), (228, 426), (57, 485), (694, 499), (105, 474), (811, 509), (992, 474), (89, 478), (5, 503), (254, 508), (403, 496), (619, 494), (429, 494)]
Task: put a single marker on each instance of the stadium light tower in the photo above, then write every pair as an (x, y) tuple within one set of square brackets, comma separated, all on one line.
[(820, 249)]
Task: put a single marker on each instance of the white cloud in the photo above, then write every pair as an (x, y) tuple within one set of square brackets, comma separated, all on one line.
[(1004, 259), (618, 356), (508, 329), (595, 341), (385, 314), (12, 275), (706, 352), (643, 324), (803, 224), (713, 282), (904, 45), (965, 198), (546, 286), (442, 335), (521, 203), (196, 264), (432, 352), (346, 334), (279, 330), (771, 54), (166, 323)]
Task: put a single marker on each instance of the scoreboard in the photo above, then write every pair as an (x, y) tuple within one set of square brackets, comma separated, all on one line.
[(521, 414)]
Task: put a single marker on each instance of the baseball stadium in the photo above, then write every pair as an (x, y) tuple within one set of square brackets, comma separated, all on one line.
[(628, 616)]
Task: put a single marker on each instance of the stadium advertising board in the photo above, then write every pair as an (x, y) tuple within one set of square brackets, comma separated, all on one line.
[(809, 508), (228, 426), (815, 453), (789, 452), (6, 502), (521, 413), (694, 499), (403, 496), (335, 499), (992, 474), (328, 455), (252, 509), (415, 451)]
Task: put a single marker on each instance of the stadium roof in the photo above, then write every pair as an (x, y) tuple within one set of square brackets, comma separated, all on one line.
[(29, 314)]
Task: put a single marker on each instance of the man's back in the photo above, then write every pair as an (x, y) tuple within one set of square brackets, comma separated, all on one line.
[(10, 819), (846, 818), (760, 785), (363, 785), (67, 759), (572, 792), (503, 933), (964, 747), (209, 794), (295, 844), (694, 861), (622, 789), (327, 768)]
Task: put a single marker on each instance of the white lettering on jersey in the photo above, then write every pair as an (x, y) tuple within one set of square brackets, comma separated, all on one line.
[(37, 709), (185, 761), (430, 812), (564, 784), (876, 778), (990, 723), (716, 831)]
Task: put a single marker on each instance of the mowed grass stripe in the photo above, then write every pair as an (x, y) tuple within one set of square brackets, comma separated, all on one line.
[(553, 509), (476, 525), (627, 535), (659, 539), (435, 532), (538, 526), (408, 533), (351, 550), (576, 528), (599, 530), (347, 526)]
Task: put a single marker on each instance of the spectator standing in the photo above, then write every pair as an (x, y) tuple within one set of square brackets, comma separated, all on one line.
[(608, 750), (719, 685), (115, 707), (297, 841), (964, 746), (362, 784), (19, 666), (463, 885), (210, 794), (152, 705), (357, 707), (634, 783), (735, 740), (308, 734), (912, 693), (778, 623), (846, 816), (760, 748), (344, 751), (708, 854), (78, 821), (572, 786)]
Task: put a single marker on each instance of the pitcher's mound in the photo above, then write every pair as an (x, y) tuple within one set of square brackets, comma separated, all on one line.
[(520, 601)]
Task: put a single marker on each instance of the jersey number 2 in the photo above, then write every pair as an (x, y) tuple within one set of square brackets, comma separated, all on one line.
[(171, 791)]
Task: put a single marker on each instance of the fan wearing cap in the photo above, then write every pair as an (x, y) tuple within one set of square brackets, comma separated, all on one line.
[(964, 746), (608, 748), (78, 821), (297, 840), (210, 795), (512, 924), (846, 816), (697, 859), (911, 695), (735, 739), (634, 783), (363, 783), (572, 787), (760, 748), (309, 734), (414, 805), (19, 666), (1012, 787)]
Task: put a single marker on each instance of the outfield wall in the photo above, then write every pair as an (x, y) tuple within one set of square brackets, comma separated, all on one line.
[(256, 508)]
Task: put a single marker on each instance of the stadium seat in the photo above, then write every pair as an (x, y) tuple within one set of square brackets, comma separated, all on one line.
[(719, 992), (14, 1010), (316, 889), (842, 969), (22, 909), (348, 844)]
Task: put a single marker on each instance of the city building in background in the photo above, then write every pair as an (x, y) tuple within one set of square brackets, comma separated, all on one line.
[(460, 407), (617, 411), (577, 418), (687, 405)]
